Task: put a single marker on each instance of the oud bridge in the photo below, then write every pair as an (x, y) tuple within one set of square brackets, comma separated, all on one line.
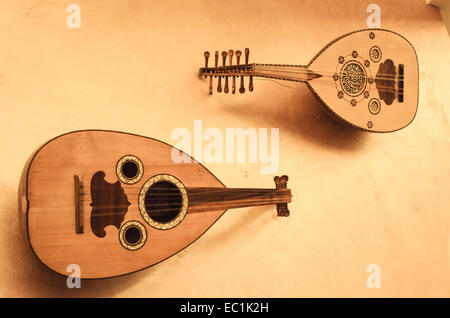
[(232, 71)]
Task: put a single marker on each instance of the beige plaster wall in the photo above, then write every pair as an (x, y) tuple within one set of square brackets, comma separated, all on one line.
[(359, 198)]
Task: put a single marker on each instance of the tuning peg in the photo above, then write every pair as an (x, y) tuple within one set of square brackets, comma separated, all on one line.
[(224, 61), (250, 84), (206, 54), (226, 85), (230, 55), (210, 85), (242, 89), (219, 85), (247, 53), (216, 62), (233, 85), (238, 56), (224, 57)]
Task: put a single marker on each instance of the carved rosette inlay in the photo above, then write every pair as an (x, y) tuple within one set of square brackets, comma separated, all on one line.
[(353, 78), (375, 54), (374, 106)]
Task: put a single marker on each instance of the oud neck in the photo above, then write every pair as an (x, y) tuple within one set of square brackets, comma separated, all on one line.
[(212, 199), (295, 73)]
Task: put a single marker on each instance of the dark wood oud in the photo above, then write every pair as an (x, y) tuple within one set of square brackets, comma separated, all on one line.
[(115, 203), (367, 78)]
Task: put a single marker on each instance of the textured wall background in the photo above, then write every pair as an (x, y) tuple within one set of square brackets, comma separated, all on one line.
[(359, 198)]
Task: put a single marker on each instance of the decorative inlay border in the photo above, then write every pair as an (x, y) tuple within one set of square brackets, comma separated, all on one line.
[(184, 202), (123, 241), (122, 177)]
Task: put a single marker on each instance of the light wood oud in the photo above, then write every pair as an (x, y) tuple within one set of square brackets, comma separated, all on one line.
[(115, 203), (367, 78)]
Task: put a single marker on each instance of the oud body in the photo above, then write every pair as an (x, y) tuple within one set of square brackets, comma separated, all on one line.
[(367, 78), (115, 203)]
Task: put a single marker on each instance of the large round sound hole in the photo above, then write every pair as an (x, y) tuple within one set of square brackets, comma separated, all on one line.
[(163, 201), (133, 235), (130, 169)]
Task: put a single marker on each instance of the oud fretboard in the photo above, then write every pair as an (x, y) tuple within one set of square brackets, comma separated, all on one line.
[(213, 199), (295, 73)]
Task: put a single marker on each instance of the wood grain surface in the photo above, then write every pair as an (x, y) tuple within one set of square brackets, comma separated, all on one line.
[(50, 190)]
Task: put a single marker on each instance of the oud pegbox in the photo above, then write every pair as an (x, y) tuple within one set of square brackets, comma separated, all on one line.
[(225, 71), (281, 183)]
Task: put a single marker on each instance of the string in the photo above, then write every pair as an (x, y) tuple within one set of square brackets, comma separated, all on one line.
[(328, 86), (158, 211), (378, 88), (168, 206), (322, 73), (302, 70), (283, 68)]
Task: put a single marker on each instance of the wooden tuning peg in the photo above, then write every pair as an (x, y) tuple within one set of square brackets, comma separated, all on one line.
[(230, 55), (238, 56), (224, 57), (206, 54), (250, 84), (242, 89), (219, 85), (210, 85), (216, 62), (224, 60), (226, 85), (233, 85)]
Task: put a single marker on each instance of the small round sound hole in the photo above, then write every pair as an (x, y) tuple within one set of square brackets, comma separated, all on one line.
[(163, 201), (133, 235), (130, 169)]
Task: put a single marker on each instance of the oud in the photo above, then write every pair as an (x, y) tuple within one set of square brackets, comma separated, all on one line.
[(115, 203), (367, 78)]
